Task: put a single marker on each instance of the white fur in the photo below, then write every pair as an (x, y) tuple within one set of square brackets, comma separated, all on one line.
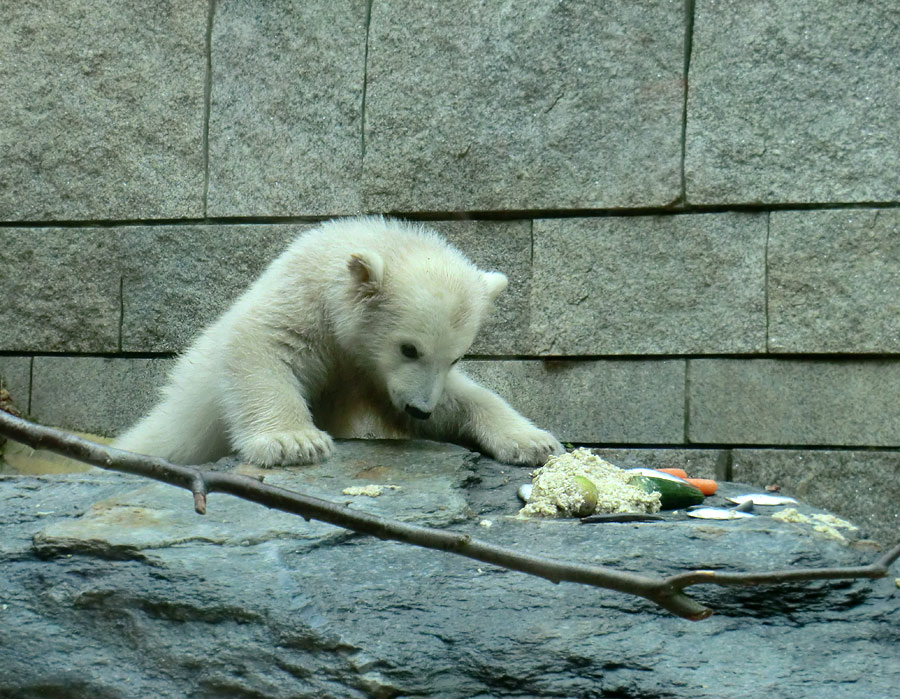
[(315, 348)]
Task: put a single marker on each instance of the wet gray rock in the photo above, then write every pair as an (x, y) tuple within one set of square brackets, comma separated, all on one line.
[(113, 587)]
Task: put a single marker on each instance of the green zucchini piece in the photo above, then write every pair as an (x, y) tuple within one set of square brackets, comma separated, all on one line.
[(674, 492)]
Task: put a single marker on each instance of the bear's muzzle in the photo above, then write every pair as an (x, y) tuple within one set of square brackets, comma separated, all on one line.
[(416, 413)]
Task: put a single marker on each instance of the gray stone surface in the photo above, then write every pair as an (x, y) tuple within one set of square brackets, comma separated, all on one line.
[(862, 486), (177, 279), (285, 131), (15, 377), (774, 402), (649, 285), (102, 110), (479, 105), (60, 289), (504, 246), (834, 281), (793, 102), (94, 394), (593, 401), (120, 590)]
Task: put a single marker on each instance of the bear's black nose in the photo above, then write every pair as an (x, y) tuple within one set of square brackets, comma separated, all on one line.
[(416, 413)]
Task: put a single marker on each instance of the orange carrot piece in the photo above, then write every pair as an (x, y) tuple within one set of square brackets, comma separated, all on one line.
[(706, 485), (680, 472)]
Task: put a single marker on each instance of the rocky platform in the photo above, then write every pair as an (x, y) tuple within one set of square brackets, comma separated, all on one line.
[(114, 587)]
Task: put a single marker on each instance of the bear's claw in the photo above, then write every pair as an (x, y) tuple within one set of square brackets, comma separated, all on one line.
[(527, 449), (304, 446)]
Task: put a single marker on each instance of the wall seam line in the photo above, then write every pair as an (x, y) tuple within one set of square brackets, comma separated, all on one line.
[(365, 87), (766, 347), (687, 401), (688, 49), (207, 104)]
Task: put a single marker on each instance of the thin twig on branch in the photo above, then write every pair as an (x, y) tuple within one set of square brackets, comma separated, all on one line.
[(666, 592)]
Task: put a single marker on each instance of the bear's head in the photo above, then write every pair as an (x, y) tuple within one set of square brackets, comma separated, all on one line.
[(416, 315)]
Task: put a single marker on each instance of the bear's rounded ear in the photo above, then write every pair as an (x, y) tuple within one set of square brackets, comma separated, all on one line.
[(495, 282), (367, 271)]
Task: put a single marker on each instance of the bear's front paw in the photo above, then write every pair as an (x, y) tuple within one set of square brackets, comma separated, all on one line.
[(303, 446), (524, 447)]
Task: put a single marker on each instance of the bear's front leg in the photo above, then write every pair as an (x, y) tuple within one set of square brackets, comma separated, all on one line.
[(269, 421), (471, 413)]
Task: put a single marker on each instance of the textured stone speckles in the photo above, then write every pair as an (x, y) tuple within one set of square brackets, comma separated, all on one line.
[(94, 394), (102, 109), (780, 401), (285, 131), (178, 279), (793, 102), (834, 281), (649, 285), (60, 290), (480, 105), (595, 401)]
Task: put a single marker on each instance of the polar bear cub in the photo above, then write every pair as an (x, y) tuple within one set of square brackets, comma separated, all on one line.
[(354, 331)]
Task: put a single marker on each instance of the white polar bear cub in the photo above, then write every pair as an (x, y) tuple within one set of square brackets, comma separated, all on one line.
[(354, 331)]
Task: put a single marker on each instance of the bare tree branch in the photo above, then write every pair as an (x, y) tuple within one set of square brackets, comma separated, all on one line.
[(666, 592)]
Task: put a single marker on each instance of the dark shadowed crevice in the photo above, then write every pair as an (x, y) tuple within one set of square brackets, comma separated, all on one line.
[(688, 46), (121, 309), (30, 382), (767, 350), (471, 215), (686, 438), (365, 85), (207, 104)]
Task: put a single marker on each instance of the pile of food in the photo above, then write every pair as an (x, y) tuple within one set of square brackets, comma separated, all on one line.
[(580, 483)]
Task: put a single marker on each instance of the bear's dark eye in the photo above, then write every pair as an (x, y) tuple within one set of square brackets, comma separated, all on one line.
[(409, 351)]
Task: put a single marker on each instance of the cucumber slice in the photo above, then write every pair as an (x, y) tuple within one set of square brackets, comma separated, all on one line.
[(674, 492)]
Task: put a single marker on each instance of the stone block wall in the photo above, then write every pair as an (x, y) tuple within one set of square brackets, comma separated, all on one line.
[(697, 204)]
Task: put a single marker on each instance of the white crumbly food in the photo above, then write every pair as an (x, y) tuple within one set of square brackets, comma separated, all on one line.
[(822, 523), (372, 491), (556, 492)]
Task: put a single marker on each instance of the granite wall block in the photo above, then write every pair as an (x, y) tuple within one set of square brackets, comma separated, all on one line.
[(477, 105), (285, 127), (95, 394), (834, 281), (839, 402), (60, 289), (793, 102), (649, 285), (15, 377), (607, 401), (102, 109), (178, 279)]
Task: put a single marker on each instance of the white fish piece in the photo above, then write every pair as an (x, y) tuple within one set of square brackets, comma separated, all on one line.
[(525, 492), (653, 473), (717, 513), (762, 499)]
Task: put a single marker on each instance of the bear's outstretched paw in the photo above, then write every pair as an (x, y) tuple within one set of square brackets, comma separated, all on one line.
[(531, 447), (303, 446)]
